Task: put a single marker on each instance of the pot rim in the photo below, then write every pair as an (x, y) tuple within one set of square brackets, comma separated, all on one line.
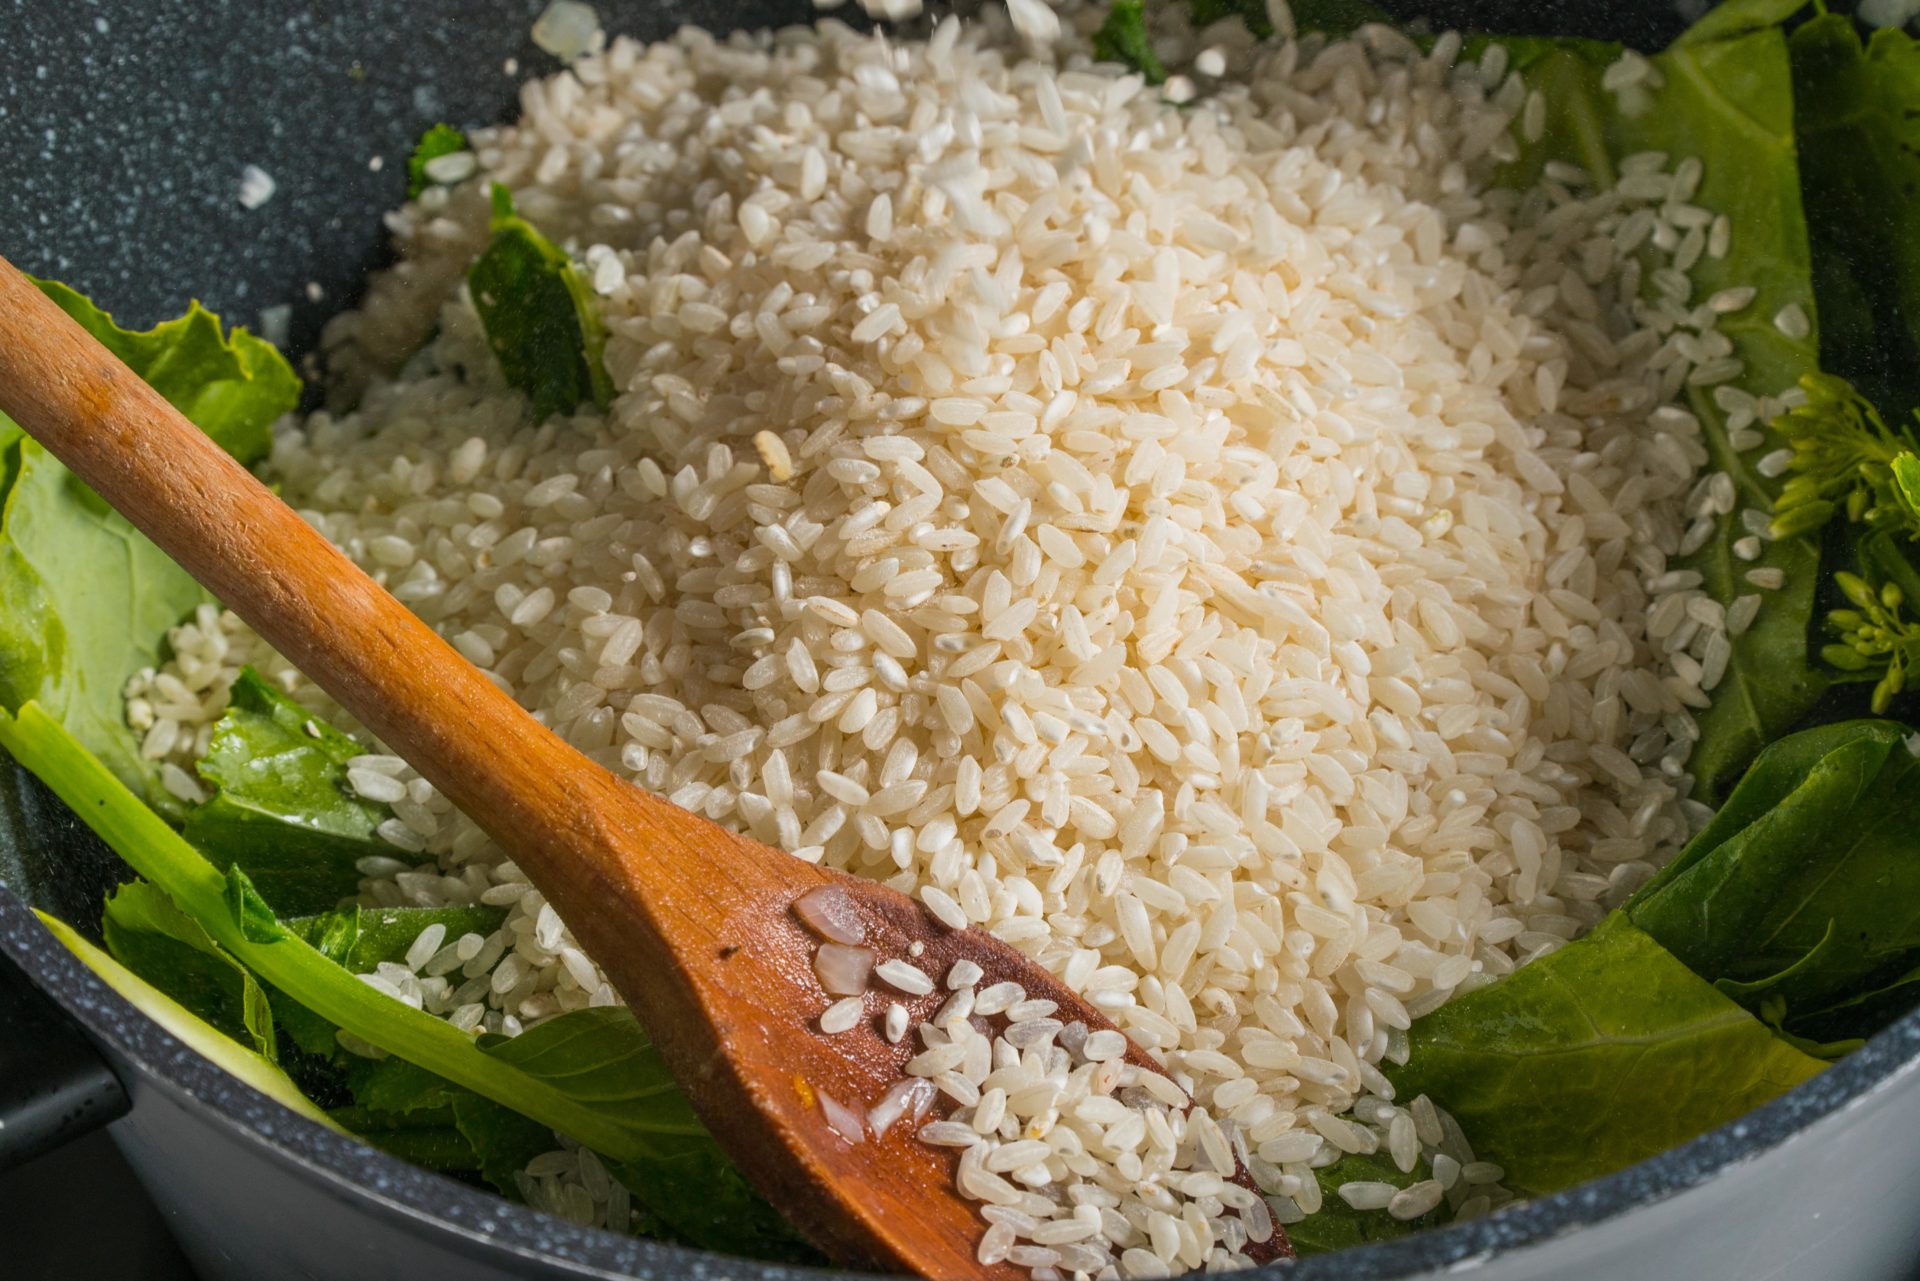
[(473, 1219)]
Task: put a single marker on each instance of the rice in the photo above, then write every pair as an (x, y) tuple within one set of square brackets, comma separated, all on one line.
[(1224, 552)]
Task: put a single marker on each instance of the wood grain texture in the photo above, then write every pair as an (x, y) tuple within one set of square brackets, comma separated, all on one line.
[(692, 923)]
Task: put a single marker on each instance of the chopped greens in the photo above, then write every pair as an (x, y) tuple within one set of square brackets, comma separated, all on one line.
[(441, 140), (150, 936), (592, 1075), (1123, 38), (539, 316), (1338, 1226), (1876, 636), (281, 808), (223, 1051), (1844, 458)]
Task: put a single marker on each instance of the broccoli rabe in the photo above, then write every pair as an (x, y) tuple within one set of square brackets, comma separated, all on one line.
[(1875, 633), (1846, 458)]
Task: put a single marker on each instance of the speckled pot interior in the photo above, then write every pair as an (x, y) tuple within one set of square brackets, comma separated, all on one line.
[(124, 128)]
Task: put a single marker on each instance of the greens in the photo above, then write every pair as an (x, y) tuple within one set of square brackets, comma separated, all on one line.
[(1804, 891), (223, 1051), (539, 316), (441, 140), (89, 599), (1602, 1054), (592, 1074), (1337, 1225), (1860, 149), (1730, 102), (1783, 933), (280, 806), (1123, 38)]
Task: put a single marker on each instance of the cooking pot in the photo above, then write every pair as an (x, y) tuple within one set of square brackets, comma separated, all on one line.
[(125, 126)]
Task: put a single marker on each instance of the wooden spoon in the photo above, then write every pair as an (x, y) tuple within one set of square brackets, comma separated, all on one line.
[(695, 925)]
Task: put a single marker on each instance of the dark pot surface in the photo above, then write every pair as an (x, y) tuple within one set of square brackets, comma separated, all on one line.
[(124, 128)]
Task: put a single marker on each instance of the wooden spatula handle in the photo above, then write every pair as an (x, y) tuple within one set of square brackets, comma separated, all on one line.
[(492, 759), (253, 551)]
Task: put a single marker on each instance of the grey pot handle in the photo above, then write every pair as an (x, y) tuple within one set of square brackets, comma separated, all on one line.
[(54, 1086)]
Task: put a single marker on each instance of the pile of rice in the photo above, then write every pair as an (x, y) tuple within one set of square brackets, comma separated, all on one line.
[(1211, 547)]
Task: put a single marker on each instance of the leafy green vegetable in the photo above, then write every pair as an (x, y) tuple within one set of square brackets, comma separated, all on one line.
[(1803, 893), (278, 956), (88, 598), (190, 1030), (150, 936), (1844, 455), (539, 316), (591, 1075), (1730, 101), (359, 938), (1337, 1225), (231, 386), (602, 1055), (698, 1196), (1876, 636), (1860, 151), (441, 140), (1737, 18), (1123, 38), (1726, 96), (280, 808), (1596, 1056), (501, 1140)]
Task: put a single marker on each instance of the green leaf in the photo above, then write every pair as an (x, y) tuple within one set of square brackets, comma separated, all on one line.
[(1803, 893), (1906, 483), (603, 1057), (1123, 38), (89, 599), (435, 1140), (232, 386), (156, 940), (591, 1074), (1728, 99), (281, 809), (1860, 152), (1599, 1055), (250, 914), (502, 1141), (699, 1197), (1737, 18), (1338, 1226), (441, 140), (360, 938), (539, 316), (1730, 102), (186, 1027)]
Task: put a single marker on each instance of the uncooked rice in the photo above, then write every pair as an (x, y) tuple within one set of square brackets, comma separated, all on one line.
[(1223, 551)]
